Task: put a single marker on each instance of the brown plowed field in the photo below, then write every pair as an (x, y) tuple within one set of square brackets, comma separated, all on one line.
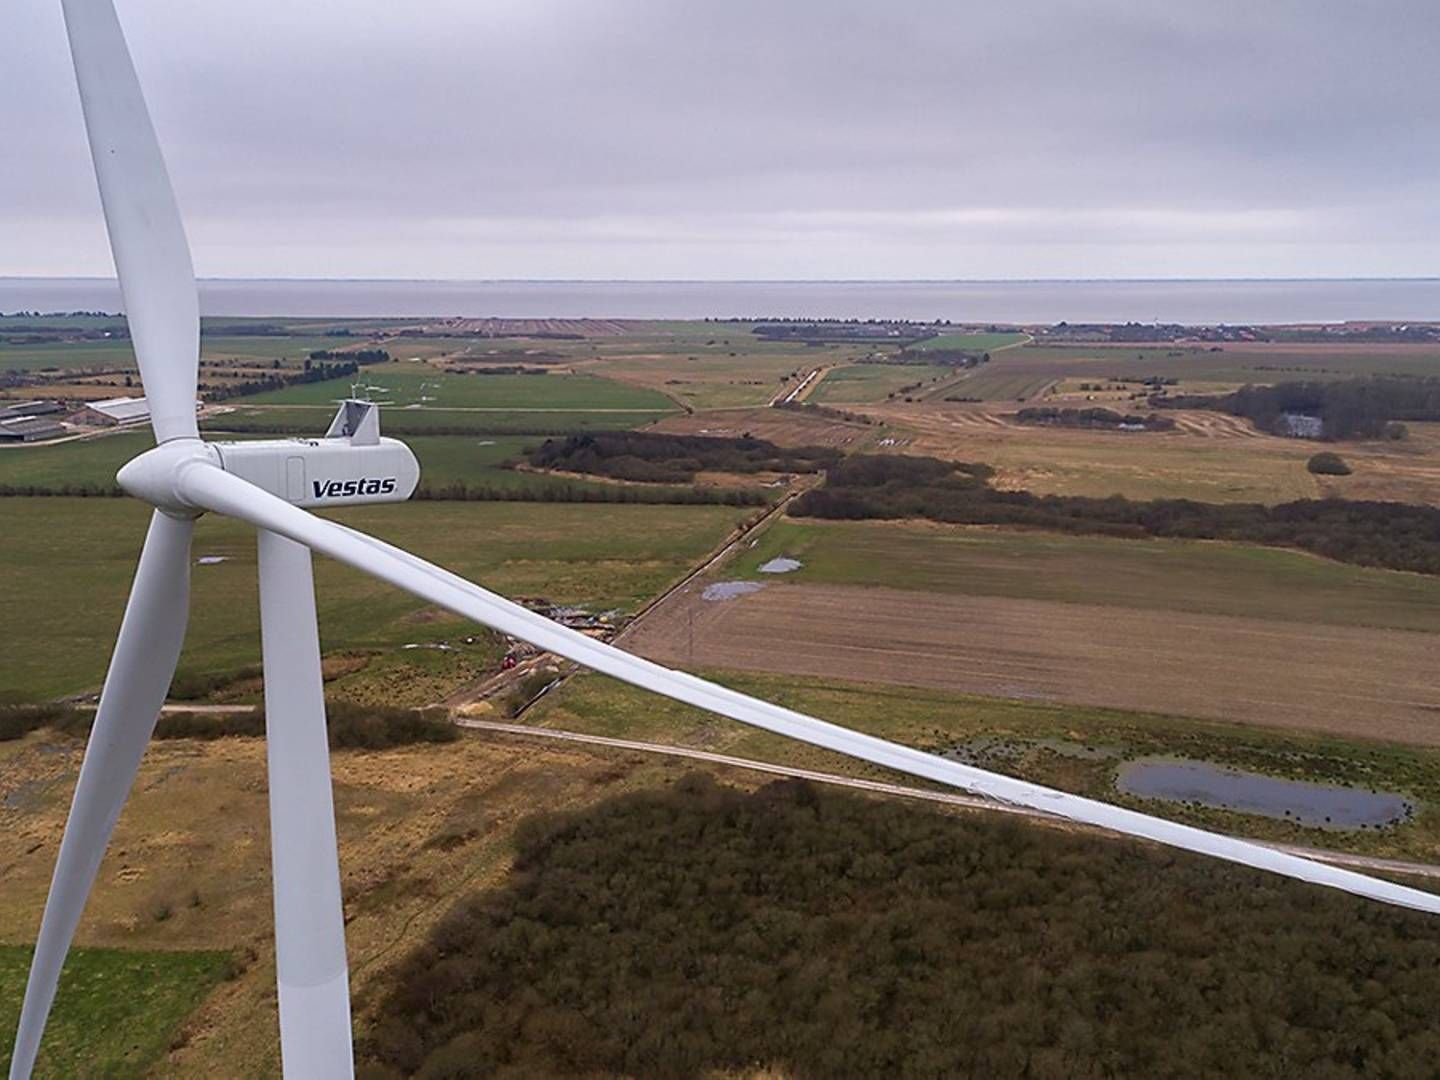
[(1338, 680)]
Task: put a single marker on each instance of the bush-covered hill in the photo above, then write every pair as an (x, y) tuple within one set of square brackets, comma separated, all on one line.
[(674, 459), (1364, 408), (824, 934)]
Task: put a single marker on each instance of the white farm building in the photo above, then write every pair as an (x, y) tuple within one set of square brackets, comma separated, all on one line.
[(112, 412)]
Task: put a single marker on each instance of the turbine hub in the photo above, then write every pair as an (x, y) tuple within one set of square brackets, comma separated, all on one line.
[(154, 476)]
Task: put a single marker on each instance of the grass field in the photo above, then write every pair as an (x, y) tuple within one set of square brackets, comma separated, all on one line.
[(444, 459), (404, 385), (116, 1011), (66, 354), (994, 382), (1209, 457), (69, 562), (314, 419), (1206, 630), (116, 353), (1231, 364), (719, 368), (863, 383), (1162, 575), (1031, 740), (969, 342)]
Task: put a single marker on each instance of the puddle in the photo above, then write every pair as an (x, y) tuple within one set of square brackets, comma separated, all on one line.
[(781, 565), (1320, 805), (729, 590), (211, 560)]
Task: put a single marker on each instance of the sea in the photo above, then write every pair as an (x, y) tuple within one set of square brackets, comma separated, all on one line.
[(1199, 302)]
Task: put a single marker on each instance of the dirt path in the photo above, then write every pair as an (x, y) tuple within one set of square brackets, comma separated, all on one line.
[(805, 388), (968, 802)]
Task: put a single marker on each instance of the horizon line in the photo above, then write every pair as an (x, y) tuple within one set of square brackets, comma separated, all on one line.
[(754, 281)]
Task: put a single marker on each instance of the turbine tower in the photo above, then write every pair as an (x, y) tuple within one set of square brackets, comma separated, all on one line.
[(268, 484)]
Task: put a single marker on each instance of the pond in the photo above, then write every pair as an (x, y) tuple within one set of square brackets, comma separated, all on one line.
[(1320, 805), (781, 564), (729, 590)]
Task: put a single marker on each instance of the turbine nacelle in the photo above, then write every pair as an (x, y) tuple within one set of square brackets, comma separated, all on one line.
[(352, 464)]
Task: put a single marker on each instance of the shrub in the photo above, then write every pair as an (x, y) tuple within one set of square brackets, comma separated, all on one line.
[(1327, 463), (699, 931)]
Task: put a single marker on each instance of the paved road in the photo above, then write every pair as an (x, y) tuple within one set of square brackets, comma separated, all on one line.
[(969, 802)]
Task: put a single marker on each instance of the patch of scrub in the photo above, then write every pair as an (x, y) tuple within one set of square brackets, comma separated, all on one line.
[(729, 590), (781, 564), (990, 750), (1319, 805)]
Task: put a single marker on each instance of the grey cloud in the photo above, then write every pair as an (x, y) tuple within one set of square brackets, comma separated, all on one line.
[(645, 138)]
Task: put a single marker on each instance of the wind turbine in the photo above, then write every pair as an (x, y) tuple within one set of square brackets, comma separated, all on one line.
[(266, 484)]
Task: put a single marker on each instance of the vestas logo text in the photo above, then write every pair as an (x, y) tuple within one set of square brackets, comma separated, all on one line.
[(344, 489)]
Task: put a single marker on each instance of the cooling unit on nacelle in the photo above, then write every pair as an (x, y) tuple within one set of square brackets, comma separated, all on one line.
[(351, 464)]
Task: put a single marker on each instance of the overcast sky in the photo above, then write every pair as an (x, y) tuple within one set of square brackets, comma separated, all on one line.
[(752, 138)]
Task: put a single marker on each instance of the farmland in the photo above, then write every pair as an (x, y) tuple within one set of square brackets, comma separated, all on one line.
[(402, 386), (1209, 457), (1192, 576), (875, 382), (1230, 364), (444, 460), (993, 383), (980, 342), (1212, 630), (69, 564), (1053, 657), (1344, 681), (314, 419)]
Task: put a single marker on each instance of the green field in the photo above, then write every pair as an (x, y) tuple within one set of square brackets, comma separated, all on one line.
[(69, 563), (401, 385), (1033, 740), (79, 462), (117, 1010), (713, 366), (444, 459), (1167, 575), (314, 419), (863, 383), (118, 354), (66, 354), (1227, 364), (968, 342), (994, 381)]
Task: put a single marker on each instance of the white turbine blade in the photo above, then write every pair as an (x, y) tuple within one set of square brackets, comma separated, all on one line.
[(309, 922), (207, 486), (135, 687), (147, 240)]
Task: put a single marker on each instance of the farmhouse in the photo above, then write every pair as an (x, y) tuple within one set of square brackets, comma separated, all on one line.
[(29, 429), (112, 412), (1301, 426)]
